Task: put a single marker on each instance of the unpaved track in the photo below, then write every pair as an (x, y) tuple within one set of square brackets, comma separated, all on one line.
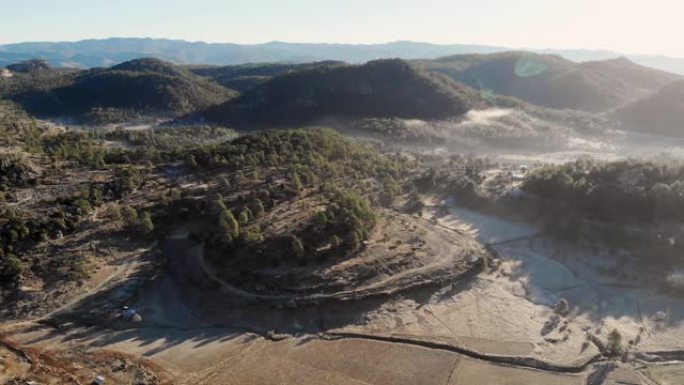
[(442, 272)]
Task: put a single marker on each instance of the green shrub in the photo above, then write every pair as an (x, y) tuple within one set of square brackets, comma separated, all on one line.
[(11, 268)]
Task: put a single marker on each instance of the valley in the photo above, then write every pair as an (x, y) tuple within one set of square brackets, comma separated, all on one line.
[(378, 223)]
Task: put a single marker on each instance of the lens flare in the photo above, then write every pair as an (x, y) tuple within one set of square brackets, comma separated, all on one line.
[(528, 67), (486, 92)]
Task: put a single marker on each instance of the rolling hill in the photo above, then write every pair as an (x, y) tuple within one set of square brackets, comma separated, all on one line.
[(245, 76), (552, 81), (384, 88), (661, 113), (138, 87), (29, 66)]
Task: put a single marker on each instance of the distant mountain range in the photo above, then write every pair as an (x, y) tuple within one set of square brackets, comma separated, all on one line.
[(107, 52)]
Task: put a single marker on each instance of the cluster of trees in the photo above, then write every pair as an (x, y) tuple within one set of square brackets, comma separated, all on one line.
[(20, 231), (20, 130), (460, 178), (233, 229), (622, 191), (104, 115), (323, 153), (126, 180), (265, 168), (85, 148), (277, 166), (17, 128), (172, 138), (10, 268), (78, 147), (416, 132), (15, 172), (340, 229), (133, 222), (348, 219)]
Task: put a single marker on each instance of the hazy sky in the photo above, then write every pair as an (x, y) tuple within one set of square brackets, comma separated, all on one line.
[(630, 26)]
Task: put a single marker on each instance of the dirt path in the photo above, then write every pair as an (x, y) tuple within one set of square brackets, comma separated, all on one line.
[(382, 287)]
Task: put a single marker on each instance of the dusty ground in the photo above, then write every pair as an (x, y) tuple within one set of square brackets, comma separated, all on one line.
[(667, 374), (216, 356), (19, 365)]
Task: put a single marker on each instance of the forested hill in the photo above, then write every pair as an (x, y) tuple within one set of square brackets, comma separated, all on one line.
[(383, 88), (122, 92), (245, 76), (552, 81)]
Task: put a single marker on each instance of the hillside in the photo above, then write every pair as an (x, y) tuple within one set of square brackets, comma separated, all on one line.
[(126, 91), (245, 76), (660, 113), (384, 88), (29, 66), (551, 81), (152, 65), (16, 127)]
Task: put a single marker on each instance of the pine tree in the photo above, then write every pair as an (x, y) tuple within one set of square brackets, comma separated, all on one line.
[(114, 213), (229, 227), (296, 182), (321, 219), (614, 347), (354, 241), (10, 268), (252, 235), (336, 241), (130, 216), (245, 215), (258, 208), (296, 246), (145, 224), (218, 204)]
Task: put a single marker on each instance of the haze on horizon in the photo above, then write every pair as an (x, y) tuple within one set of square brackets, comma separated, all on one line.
[(629, 27)]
